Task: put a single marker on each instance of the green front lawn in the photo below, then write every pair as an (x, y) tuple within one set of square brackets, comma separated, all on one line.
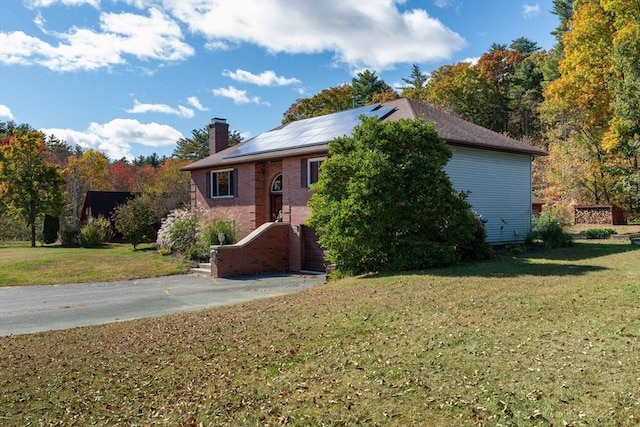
[(21, 264), (548, 338)]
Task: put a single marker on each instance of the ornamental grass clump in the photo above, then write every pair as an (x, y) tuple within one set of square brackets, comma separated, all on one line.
[(210, 233), (177, 232)]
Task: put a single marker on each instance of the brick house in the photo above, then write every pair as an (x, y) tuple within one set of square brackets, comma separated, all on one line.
[(267, 179)]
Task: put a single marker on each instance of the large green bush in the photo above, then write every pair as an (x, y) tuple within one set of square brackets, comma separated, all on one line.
[(384, 203)]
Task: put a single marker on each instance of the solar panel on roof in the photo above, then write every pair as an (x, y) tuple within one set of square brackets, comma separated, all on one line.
[(308, 132)]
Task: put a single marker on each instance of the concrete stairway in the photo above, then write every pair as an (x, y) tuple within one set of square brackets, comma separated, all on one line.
[(203, 269)]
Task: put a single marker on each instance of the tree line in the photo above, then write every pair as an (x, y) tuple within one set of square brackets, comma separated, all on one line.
[(579, 100)]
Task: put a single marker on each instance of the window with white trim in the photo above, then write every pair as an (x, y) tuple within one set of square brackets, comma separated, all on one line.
[(222, 183), (313, 170)]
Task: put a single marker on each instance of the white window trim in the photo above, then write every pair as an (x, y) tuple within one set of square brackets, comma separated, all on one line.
[(212, 184), (313, 160), (271, 190)]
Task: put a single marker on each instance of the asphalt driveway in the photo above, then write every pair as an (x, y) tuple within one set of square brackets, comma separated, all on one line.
[(28, 309)]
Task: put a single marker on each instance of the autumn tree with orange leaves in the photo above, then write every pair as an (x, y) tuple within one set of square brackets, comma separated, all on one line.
[(592, 109)]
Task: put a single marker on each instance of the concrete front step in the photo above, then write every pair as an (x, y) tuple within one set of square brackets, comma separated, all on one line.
[(202, 268)]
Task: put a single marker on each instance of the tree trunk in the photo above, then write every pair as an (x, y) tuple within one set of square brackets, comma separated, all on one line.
[(33, 234)]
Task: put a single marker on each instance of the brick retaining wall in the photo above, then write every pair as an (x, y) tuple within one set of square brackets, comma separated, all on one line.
[(265, 250)]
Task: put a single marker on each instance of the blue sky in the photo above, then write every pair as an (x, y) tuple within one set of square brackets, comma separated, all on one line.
[(130, 77)]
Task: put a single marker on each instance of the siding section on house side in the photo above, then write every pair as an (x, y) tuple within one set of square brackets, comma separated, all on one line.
[(500, 190)]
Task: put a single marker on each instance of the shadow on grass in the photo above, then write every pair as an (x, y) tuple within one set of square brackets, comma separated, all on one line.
[(539, 262), (515, 268), (535, 262), (105, 246), (581, 251)]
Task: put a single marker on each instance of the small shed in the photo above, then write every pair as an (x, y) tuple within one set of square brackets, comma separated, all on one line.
[(599, 214), (536, 205)]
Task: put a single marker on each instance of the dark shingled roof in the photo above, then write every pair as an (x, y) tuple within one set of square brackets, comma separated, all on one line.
[(102, 203), (452, 129)]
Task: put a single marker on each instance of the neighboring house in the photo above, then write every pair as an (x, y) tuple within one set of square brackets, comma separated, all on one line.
[(268, 178), (102, 204)]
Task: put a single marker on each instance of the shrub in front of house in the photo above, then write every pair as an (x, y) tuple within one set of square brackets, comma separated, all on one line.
[(383, 202), (94, 232)]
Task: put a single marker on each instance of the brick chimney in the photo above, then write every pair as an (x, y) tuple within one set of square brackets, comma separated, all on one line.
[(218, 135)]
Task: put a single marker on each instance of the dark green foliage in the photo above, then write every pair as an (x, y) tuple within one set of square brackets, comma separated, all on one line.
[(384, 203), (50, 228), (197, 147), (549, 231), (70, 237), (136, 220), (417, 79), (525, 46), (194, 148), (366, 85), (209, 236), (94, 233), (599, 233), (474, 246)]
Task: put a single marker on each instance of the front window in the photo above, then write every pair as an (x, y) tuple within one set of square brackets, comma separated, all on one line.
[(313, 170), (222, 183)]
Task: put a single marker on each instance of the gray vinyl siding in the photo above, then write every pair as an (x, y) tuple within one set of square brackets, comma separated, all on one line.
[(500, 190)]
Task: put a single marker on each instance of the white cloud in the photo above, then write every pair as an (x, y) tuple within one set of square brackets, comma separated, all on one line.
[(361, 34), (442, 3), (530, 10), (153, 37), (471, 60), (238, 96), (181, 111), (115, 138), (5, 112), (195, 103), (266, 78), (46, 3)]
